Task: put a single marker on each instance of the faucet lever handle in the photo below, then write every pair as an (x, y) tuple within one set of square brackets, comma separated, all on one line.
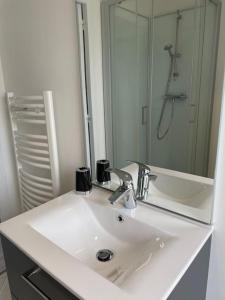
[(144, 178), (143, 168), (124, 176)]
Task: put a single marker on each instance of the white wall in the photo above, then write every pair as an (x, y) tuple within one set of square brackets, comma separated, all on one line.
[(216, 280), (9, 200), (39, 49)]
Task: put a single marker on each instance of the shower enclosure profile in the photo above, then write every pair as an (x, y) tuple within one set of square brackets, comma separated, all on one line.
[(159, 70)]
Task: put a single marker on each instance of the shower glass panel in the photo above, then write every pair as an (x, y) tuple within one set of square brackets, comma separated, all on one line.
[(129, 77), (160, 74)]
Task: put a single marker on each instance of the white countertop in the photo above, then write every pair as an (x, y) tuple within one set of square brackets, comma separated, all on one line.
[(157, 284)]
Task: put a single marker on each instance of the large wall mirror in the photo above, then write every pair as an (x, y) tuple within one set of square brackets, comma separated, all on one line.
[(159, 72), (159, 66)]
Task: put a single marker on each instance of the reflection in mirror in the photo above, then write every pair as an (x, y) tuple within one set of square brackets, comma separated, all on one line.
[(159, 77)]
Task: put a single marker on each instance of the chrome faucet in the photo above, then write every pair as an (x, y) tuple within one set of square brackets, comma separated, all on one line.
[(125, 190), (144, 178)]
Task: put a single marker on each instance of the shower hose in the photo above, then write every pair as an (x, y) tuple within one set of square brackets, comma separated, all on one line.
[(166, 100)]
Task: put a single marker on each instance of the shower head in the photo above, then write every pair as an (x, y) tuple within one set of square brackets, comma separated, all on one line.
[(168, 47)]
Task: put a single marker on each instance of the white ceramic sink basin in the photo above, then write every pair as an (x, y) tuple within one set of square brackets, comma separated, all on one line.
[(184, 191), (186, 194), (86, 227), (152, 249)]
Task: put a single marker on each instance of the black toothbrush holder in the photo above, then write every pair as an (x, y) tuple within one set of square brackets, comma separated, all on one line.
[(83, 181), (103, 176)]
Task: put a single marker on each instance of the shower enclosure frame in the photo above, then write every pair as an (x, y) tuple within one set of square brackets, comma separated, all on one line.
[(107, 92)]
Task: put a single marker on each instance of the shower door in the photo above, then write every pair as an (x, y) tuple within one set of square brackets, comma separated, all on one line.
[(129, 85)]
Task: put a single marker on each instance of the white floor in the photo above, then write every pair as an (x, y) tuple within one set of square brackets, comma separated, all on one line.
[(4, 288)]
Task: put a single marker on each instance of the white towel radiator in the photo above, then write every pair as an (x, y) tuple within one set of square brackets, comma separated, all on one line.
[(34, 136)]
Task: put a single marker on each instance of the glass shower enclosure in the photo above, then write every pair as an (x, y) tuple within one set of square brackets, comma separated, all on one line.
[(162, 66)]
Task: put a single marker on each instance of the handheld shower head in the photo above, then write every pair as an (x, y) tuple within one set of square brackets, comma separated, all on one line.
[(168, 47)]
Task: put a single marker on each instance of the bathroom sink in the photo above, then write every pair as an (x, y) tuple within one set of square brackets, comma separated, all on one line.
[(98, 251), (112, 244), (186, 194)]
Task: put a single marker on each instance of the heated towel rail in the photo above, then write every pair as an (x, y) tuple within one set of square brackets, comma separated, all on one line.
[(35, 145)]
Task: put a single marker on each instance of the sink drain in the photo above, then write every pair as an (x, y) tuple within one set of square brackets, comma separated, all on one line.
[(104, 255)]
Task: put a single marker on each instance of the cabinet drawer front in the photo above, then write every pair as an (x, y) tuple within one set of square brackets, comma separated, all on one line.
[(27, 281), (47, 286)]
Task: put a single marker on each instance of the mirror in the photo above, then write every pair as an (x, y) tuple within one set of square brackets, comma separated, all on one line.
[(159, 66), (160, 60), (147, 79)]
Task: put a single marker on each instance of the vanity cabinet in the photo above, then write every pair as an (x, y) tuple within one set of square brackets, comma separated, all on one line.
[(193, 284), (27, 281)]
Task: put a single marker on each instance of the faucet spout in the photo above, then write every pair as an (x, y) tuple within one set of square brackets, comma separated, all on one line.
[(125, 191)]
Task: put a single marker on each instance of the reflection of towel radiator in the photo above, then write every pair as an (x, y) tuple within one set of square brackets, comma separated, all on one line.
[(34, 137)]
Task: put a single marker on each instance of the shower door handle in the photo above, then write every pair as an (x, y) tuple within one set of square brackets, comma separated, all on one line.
[(192, 117), (144, 117)]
